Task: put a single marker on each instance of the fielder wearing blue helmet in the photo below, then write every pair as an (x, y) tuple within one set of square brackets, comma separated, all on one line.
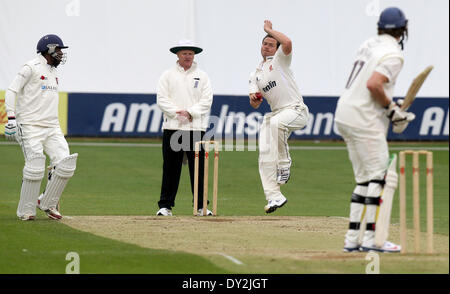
[(393, 22), (52, 45)]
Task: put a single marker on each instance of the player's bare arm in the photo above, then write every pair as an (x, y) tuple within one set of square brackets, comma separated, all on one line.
[(286, 43), (375, 86), (400, 119)]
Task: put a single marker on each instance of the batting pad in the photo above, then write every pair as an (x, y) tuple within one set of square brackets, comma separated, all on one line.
[(60, 175), (356, 214), (384, 216), (33, 173)]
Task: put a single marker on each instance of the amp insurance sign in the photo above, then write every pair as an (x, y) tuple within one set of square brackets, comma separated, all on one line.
[(138, 115)]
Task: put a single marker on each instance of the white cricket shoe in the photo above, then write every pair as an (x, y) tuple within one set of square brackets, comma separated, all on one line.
[(283, 175), (27, 217), (164, 212), (200, 212), (53, 214), (272, 205), (351, 247), (388, 247)]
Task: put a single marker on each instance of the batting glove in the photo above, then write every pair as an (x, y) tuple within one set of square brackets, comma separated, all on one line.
[(399, 118), (11, 129), (391, 179)]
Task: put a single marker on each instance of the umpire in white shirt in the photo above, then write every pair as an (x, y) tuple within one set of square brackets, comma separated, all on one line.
[(185, 96)]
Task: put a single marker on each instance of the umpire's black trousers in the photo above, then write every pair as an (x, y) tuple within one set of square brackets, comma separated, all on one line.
[(175, 143)]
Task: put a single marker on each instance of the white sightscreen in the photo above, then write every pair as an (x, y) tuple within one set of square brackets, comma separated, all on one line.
[(122, 46)]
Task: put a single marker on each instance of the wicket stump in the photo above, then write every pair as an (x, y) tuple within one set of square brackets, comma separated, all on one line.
[(416, 198), (205, 176)]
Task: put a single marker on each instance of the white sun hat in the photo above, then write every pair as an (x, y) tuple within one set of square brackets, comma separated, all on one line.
[(186, 45)]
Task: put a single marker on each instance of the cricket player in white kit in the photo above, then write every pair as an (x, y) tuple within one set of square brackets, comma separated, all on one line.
[(32, 107), (274, 80), (362, 117)]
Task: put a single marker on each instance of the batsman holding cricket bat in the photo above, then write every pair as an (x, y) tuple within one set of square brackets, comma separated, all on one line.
[(363, 115)]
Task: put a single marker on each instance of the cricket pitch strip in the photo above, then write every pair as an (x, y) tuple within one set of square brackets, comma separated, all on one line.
[(245, 243)]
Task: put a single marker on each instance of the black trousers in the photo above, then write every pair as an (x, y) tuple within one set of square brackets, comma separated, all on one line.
[(175, 144)]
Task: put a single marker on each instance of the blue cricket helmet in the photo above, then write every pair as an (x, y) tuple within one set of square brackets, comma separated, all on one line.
[(49, 42), (392, 18)]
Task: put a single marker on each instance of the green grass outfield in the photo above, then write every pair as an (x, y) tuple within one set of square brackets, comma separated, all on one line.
[(120, 180)]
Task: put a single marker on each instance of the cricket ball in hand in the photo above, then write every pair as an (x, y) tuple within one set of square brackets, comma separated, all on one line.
[(259, 96)]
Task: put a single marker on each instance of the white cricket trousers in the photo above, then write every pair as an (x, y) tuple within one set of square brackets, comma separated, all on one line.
[(273, 147), (369, 155), (368, 152), (37, 140)]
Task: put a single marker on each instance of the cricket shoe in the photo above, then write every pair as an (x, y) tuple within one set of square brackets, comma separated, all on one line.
[(52, 213), (272, 205), (351, 247), (283, 175), (200, 212), (27, 217), (387, 247), (164, 212)]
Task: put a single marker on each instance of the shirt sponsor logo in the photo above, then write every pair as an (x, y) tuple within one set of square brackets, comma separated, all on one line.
[(196, 82), (49, 88), (269, 86)]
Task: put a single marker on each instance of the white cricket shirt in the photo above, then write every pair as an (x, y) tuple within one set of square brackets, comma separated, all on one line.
[(190, 90), (275, 80), (356, 107), (33, 94)]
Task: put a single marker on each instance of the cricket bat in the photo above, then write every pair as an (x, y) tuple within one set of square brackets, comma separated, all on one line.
[(384, 211), (415, 87)]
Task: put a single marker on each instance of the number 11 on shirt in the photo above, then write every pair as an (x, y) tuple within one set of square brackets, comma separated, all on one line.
[(358, 65)]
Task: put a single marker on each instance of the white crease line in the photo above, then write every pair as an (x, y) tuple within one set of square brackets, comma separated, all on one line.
[(341, 217), (232, 259)]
